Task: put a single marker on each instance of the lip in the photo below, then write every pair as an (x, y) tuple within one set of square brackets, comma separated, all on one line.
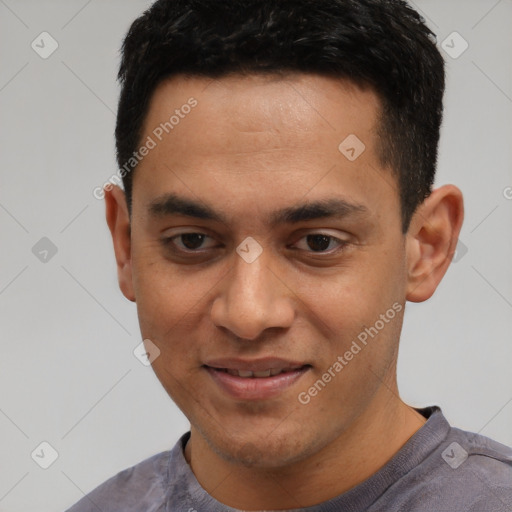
[(255, 365), (255, 388)]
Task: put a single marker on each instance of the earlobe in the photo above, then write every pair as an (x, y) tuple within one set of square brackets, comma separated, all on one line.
[(431, 241), (118, 221)]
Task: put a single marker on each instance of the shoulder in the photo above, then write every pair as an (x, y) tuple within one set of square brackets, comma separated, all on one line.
[(467, 472), (484, 461), (142, 485)]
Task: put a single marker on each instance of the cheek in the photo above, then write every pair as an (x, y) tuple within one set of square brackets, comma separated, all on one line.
[(171, 303), (159, 286), (347, 301), (351, 305), (160, 296), (166, 307), (380, 282)]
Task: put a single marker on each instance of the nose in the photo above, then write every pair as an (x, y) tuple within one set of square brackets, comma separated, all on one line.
[(252, 299)]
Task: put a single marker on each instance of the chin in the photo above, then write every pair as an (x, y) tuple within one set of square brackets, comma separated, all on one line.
[(260, 449)]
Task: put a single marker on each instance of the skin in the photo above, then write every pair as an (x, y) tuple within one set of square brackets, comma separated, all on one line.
[(253, 145)]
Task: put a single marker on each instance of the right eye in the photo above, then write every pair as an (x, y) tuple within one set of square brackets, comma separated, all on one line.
[(186, 242)]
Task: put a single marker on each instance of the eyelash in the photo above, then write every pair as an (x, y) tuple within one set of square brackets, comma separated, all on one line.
[(169, 242)]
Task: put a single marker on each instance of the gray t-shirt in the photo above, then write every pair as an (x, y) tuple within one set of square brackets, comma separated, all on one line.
[(439, 469)]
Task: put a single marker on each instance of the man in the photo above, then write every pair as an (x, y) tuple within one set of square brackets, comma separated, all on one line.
[(278, 161)]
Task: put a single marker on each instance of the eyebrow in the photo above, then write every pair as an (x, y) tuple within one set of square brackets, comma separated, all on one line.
[(335, 207)]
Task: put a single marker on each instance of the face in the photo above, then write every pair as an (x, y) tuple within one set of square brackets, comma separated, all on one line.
[(267, 263)]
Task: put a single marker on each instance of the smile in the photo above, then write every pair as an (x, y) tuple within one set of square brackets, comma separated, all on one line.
[(257, 380), (246, 374)]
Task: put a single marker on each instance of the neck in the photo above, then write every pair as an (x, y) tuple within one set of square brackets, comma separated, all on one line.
[(363, 448)]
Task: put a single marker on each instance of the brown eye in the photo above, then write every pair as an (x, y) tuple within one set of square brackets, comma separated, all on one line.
[(318, 242), (192, 240), (189, 242), (321, 243)]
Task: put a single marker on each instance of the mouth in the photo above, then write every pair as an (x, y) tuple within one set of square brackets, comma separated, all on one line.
[(255, 380), (247, 374)]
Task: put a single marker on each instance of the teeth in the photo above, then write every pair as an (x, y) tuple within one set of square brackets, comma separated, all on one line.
[(245, 373), (271, 372), (265, 373)]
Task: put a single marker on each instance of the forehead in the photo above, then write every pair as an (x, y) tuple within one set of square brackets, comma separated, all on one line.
[(291, 105), (261, 137)]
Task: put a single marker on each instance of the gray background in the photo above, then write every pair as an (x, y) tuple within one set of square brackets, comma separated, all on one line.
[(68, 375)]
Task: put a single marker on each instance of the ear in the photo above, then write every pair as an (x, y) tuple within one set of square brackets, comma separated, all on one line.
[(431, 241), (118, 221)]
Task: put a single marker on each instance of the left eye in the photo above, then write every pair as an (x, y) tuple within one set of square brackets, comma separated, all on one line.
[(319, 242)]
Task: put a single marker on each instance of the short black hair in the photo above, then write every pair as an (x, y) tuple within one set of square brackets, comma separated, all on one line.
[(384, 44)]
